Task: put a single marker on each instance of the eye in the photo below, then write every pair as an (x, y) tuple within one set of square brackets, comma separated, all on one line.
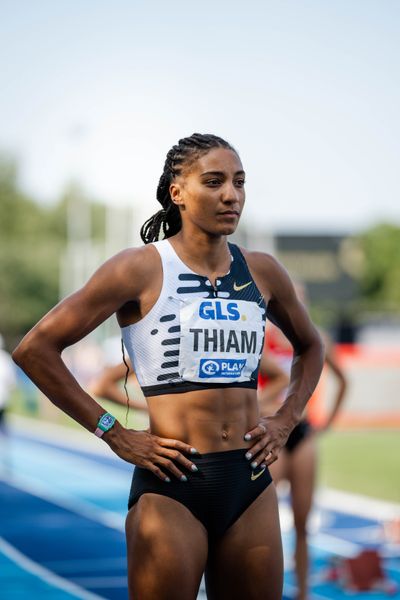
[(240, 182), (213, 182)]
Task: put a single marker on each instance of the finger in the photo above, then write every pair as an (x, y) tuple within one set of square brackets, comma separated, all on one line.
[(170, 466), (158, 473), (253, 452), (270, 454), (177, 456), (271, 458), (259, 457), (256, 432), (178, 445)]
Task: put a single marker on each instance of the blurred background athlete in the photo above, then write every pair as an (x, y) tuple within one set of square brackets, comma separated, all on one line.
[(297, 463)]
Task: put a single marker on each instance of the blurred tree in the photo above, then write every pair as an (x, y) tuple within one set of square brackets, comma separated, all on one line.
[(20, 217), (32, 239), (380, 279), (29, 254)]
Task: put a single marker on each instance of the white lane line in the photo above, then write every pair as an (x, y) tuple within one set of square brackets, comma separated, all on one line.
[(369, 534), (355, 504), (102, 582), (334, 545), (86, 564), (60, 435), (79, 507), (291, 590), (82, 467), (42, 573), (348, 504)]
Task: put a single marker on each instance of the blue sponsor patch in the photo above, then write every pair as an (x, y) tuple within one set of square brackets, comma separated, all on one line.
[(221, 367)]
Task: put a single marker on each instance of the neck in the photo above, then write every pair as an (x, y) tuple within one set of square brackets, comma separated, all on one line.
[(208, 253)]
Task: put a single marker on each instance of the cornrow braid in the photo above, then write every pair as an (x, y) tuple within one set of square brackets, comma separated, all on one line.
[(167, 221)]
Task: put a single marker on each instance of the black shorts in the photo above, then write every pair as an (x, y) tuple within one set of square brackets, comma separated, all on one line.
[(299, 433), (217, 494)]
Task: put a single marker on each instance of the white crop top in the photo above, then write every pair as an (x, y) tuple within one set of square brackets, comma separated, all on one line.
[(198, 336)]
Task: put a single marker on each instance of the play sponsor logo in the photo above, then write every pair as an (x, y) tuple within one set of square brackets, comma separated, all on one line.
[(221, 367)]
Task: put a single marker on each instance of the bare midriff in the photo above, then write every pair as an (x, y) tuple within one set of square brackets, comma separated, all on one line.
[(209, 420)]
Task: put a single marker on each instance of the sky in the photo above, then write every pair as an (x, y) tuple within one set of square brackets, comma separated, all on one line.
[(307, 91)]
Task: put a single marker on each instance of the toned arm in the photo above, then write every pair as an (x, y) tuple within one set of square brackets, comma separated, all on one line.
[(342, 383), (116, 282), (125, 284), (277, 382), (288, 313)]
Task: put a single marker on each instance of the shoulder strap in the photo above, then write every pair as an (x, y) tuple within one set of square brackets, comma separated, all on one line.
[(239, 261)]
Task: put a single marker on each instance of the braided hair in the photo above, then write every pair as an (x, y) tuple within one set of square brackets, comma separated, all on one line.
[(168, 220)]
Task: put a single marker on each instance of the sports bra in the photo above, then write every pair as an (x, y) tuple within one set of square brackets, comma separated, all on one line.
[(198, 336)]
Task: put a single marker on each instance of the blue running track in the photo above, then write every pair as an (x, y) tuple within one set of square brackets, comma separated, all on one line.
[(62, 513)]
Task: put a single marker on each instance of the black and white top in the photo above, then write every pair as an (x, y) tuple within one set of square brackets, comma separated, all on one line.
[(198, 336)]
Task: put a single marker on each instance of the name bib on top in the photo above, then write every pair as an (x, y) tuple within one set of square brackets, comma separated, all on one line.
[(221, 340)]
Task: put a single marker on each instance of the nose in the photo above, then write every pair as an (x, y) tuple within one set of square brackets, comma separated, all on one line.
[(230, 193)]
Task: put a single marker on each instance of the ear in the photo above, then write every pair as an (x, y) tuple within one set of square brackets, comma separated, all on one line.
[(175, 190)]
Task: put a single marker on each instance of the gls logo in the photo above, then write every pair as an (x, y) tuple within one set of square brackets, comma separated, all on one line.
[(214, 310)]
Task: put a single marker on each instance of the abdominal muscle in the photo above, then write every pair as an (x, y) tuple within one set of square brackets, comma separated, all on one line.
[(209, 420)]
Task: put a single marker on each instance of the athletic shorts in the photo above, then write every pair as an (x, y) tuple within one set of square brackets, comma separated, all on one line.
[(299, 433), (222, 489)]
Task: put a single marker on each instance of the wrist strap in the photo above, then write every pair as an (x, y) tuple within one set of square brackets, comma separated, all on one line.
[(105, 423)]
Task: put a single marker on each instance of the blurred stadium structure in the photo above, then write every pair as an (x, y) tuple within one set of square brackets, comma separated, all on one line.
[(82, 255)]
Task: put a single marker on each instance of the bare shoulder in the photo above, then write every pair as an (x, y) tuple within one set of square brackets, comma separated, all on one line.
[(132, 268), (136, 262), (260, 261), (123, 278), (268, 272)]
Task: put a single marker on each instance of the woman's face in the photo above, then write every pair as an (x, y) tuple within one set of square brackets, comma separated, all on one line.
[(210, 192)]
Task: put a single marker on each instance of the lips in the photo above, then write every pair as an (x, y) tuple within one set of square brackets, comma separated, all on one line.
[(230, 213)]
